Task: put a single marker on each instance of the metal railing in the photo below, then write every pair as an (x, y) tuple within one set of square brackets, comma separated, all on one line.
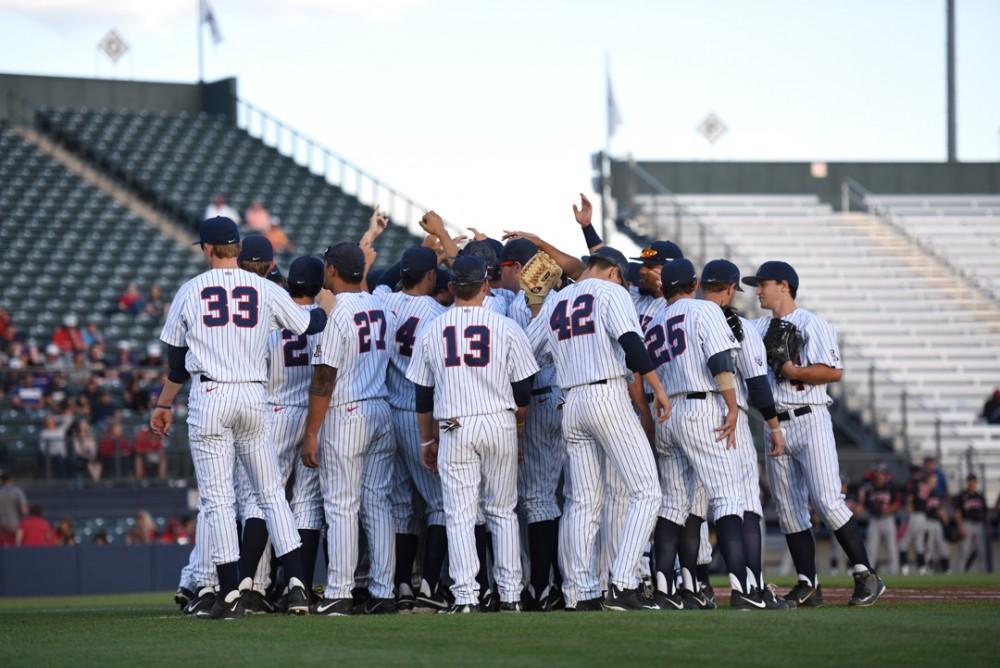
[(333, 167)]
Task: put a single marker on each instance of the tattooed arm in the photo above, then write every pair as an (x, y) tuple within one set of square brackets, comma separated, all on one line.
[(320, 391)]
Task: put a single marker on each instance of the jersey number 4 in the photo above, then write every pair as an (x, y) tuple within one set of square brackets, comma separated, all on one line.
[(406, 336), (478, 339), (566, 323), (247, 305), (666, 344)]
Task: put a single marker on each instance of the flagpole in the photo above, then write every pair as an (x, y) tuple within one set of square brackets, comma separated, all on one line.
[(201, 48), (606, 160)]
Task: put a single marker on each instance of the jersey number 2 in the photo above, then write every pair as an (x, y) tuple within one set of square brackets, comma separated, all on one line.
[(478, 337), (217, 302), (294, 347)]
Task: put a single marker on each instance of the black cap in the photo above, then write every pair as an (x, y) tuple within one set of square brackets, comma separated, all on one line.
[(496, 245), (971, 476), (443, 279), (306, 271), (774, 270), (677, 272), (721, 271), (659, 251), (483, 250), (417, 261), (256, 248), (374, 276), (347, 258), (633, 272), (613, 256), (218, 231), (468, 270), (518, 250), (274, 275)]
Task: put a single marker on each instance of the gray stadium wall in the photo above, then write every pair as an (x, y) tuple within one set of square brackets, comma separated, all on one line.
[(795, 178), (21, 94)]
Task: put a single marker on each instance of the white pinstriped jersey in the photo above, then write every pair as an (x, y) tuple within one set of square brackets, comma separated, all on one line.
[(290, 363), (580, 329), (519, 312), (471, 355), (495, 303), (821, 347), (682, 339), (412, 313), (356, 344), (646, 307), (751, 361), (224, 317)]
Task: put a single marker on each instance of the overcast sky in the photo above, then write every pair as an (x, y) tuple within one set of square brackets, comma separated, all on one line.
[(488, 110)]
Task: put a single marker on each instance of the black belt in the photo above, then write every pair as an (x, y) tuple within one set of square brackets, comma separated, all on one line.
[(697, 395), (540, 391), (798, 412), (599, 382), (206, 379)]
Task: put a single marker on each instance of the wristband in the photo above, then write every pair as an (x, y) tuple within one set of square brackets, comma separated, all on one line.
[(591, 237), (777, 430), (429, 443), (165, 407), (519, 424)]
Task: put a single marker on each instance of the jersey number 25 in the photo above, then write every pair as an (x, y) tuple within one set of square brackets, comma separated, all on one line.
[(666, 344)]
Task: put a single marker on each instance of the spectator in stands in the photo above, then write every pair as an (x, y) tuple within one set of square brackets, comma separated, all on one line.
[(931, 468), (64, 534), (136, 397), (68, 337), (85, 449), (91, 334), (13, 506), (114, 447), (79, 370), (154, 355), (143, 532), (103, 409), (257, 217), (131, 301), (81, 407), (6, 322), (123, 356), (35, 530), (991, 409), (218, 207), (101, 538), (95, 359), (156, 305), (54, 360), (279, 240), (56, 392), (148, 450), (52, 445), (11, 334)]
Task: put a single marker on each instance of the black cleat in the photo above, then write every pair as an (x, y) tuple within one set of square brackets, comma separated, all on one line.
[(695, 600), (554, 599), (201, 607), (530, 602), (230, 607), (489, 601), (709, 593), (752, 601), (460, 609), (868, 587), (334, 607), (437, 601), (405, 600), (665, 601), (623, 600), (804, 595), (183, 597), (510, 606), (297, 600), (254, 603), (588, 605), (772, 601), (380, 606)]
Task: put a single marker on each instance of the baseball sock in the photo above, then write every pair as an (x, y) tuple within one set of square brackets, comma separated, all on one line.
[(252, 548), (229, 577), (803, 550), (406, 552), (291, 563), (921, 561), (666, 540), (729, 530), (435, 550), (556, 573), (703, 574), (751, 539), (310, 550), (483, 576), (849, 537), (542, 539), (688, 554)]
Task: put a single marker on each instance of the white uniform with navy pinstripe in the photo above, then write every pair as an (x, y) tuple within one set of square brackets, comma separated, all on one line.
[(224, 317), (356, 450), (470, 356), (580, 328), (809, 469)]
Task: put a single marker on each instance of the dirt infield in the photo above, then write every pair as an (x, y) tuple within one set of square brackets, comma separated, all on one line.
[(905, 594)]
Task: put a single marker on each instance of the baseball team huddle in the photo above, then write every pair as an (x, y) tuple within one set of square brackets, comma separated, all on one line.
[(497, 427)]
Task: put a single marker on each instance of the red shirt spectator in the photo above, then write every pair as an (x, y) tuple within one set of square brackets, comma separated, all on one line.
[(35, 530), (114, 439), (146, 442), (68, 338)]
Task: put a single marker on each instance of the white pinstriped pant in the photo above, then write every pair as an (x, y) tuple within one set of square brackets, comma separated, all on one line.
[(478, 467), (599, 422), (808, 470), (226, 423), (543, 456), (748, 472), (199, 571), (356, 456), (406, 430)]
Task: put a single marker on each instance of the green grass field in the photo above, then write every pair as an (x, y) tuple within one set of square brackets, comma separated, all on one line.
[(145, 629)]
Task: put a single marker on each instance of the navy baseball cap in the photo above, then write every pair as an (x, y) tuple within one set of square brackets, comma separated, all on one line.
[(481, 249), (676, 272), (496, 245), (633, 272), (721, 271), (374, 276), (307, 270), (615, 257), (347, 258), (518, 250), (443, 279), (218, 231), (417, 261), (275, 275), (659, 251), (256, 248), (468, 270), (774, 270)]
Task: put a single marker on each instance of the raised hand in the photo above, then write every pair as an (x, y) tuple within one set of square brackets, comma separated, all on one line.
[(584, 214)]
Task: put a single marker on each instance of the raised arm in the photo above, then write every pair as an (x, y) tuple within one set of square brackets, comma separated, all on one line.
[(571, 266)]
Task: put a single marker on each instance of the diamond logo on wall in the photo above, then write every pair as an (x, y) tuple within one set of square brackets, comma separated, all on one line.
[(113, 46), (712, 128)]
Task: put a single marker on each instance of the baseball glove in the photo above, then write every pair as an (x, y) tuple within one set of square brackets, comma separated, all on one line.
[(538, 277), (783, 344), (734, 322)]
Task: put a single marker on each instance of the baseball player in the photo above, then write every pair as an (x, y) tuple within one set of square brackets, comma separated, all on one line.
[(592, 333), (413, 308), (915, 493), (216, 332), (938, 552), (543, 453), (809, 469), (348, 400), (473, 369), (693, 350), (648, 297), (881, 502), (970, 514)]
